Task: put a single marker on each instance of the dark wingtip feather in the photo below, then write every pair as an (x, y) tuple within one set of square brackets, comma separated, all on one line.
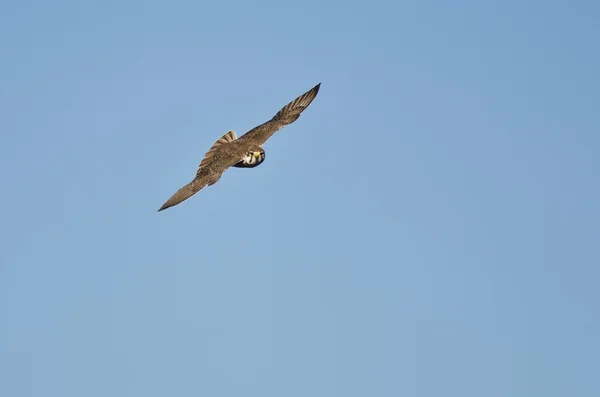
[(315, 89)]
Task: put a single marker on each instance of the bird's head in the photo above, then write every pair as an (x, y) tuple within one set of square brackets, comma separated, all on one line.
[(253, 157)]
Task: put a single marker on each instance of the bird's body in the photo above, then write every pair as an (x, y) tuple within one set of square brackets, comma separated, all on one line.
[(245, 152)]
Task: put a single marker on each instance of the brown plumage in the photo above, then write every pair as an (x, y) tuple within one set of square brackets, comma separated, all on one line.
[(245, 152)]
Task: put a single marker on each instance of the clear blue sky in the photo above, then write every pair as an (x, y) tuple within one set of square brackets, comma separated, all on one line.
[(428, 227)]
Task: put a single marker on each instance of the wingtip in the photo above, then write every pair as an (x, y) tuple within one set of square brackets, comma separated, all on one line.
[(313, 91)]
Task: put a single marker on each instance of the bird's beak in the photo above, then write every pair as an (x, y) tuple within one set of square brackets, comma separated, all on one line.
[(257, 154)]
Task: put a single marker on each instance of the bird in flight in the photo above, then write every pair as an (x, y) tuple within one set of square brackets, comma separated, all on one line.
[(245, 152)]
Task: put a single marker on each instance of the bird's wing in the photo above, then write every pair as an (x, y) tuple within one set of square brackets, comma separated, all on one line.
[(184, 193), (287, 115), (205, 176), (208, 157), (203, 179)]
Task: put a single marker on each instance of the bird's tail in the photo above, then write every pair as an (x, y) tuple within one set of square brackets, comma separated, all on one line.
[(184, 193), (290, 112)]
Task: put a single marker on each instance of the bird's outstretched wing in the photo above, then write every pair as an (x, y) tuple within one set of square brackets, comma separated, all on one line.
[(204, 178), (287, 115), (184, 193)]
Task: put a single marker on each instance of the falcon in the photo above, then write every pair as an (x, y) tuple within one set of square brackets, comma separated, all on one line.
[(245, 152)]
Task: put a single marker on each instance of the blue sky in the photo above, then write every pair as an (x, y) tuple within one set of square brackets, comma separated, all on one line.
[(428, 227)]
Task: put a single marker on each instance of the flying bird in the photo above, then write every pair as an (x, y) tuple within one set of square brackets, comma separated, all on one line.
[(245, 152)]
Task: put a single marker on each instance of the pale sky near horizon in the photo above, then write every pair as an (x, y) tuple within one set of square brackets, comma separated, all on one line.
[(428, 227)]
